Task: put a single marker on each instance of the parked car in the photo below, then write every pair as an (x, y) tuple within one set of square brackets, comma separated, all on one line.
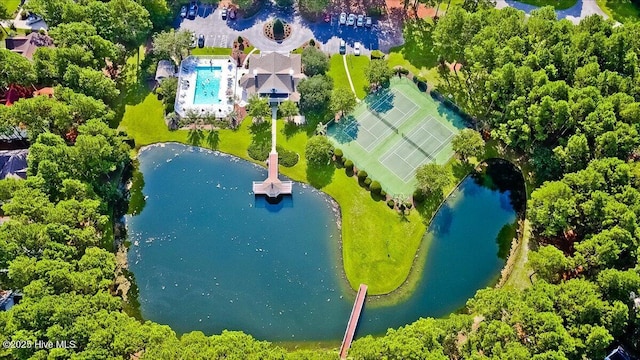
[(360, 21), (327, 17), (343, 47), (356, 49), (194, 40), (193, 10), (343, 18), (351, 20), (183, 11), (224, 13), (32, 19), (368, 21), (201, 41)]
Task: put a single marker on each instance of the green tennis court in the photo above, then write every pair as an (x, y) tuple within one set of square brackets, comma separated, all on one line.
[(393, 132)]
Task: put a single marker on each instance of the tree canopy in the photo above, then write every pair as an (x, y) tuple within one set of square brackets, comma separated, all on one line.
[(314, 61), (318, 151)]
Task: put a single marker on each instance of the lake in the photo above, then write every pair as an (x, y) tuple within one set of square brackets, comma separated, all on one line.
[(208, 255)]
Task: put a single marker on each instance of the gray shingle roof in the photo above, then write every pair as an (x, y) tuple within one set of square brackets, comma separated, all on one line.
[(13, 163)]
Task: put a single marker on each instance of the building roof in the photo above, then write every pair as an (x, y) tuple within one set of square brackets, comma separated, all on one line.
[(13, 163), (13, 134), (165, 69), (27, 45), (273, 72)]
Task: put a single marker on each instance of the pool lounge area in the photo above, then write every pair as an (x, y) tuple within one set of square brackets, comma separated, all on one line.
[(207, 85)]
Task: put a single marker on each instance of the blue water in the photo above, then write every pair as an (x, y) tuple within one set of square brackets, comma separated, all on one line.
[(207, 255), (207, 85)]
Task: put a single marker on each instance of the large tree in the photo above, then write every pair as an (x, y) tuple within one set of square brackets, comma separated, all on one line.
[(432, 178), (313, 6), (342, 101), (258, 108), (314, 61), (468, 143), (15, 69), (173, 44), (378, 72), (288, 109), (318, 151), (315, 93)]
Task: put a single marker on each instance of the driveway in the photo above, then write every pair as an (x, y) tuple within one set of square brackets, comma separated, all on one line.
[(221, 33), (579, 11)]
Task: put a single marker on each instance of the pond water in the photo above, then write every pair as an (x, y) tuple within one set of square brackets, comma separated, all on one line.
[(208, 255)]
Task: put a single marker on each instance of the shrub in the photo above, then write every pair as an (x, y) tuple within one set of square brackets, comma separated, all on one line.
[(419, 196), (377, 54), (312, 42), (338, 153), (259, 150), (348, 164), (286, 157), (362, 174), (408, 205), (383, 193), (391, 204), (278, 29), (240, 40), (375, 187), (367, 181)]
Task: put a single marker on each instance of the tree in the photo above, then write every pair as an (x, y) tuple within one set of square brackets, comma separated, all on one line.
[(313, 6), (432, 178), (278, 29), (167, 89), (173, 44), (468, 143), (159, 12), (258, 108), (342, 101), (243, 4), (378, 72), (92, 83), (125, 22), (314, 61), (552, 207), (85, 37), (549, 263), (321, 129), (318, 151), (15, 69), (315, 93), (288, 109)]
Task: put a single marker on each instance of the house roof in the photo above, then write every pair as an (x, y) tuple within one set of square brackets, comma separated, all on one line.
[(27, 45), (13, 163), (271, 72), (13, 133), (165, 69)]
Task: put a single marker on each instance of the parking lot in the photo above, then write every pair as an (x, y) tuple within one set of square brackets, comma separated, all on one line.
[(221, 33)]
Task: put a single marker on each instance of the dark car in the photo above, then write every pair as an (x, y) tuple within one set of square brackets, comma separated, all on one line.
[(343, 47), (183, 11), (200, 41), (193, 10)]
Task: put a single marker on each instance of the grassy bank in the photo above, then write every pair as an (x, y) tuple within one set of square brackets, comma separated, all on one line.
[(620, 10)]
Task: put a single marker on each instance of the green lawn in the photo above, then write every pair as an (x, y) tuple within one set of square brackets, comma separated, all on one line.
[(211, 51), (517, 275), (620, 10), (557, 4), (11, 5), (357, 65), (378, 246)]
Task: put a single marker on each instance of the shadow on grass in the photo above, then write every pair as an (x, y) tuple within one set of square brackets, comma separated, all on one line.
[(291, 129), (261, 132), (195, 136), (212, 139), (376, 196), (428, 207), (461, 169), (418, 44), (320, 176)]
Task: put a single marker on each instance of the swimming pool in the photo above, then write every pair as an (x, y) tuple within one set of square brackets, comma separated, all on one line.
[(207, 85)]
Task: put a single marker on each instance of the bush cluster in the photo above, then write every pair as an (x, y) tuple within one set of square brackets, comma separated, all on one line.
[(286, 157)]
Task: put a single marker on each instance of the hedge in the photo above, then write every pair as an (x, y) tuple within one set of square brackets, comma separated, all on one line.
[(419, 195), (391, 204), (286, 157), (367, 181), (338, 153), (375, 187), (362, 174), (348, 164)]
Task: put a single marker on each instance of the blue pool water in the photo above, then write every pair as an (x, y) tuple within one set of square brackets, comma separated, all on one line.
[(207, 85)]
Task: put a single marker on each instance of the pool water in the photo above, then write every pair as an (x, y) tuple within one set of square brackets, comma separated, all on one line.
[(207, 85)]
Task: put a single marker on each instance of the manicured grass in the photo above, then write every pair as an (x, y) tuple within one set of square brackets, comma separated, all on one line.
[(620, 10), (378, 246), (518, 274), (211, 51), (557, 4), (357, 65), (11, 5)]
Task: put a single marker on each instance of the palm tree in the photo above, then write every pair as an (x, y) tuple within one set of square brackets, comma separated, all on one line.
[(321, 129)]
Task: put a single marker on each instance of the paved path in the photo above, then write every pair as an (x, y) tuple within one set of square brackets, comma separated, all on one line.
[(579, 11), (346, 68)]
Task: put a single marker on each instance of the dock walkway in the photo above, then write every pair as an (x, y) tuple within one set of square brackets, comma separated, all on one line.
[(353, 321)]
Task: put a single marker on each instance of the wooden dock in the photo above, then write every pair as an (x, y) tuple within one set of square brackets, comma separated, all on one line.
[(353, 321), (272, 186)]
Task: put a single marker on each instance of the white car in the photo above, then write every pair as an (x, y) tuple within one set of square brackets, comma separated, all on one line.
[(356, 49), (32, 19), (343, 18), (351, 20), (224, 13)]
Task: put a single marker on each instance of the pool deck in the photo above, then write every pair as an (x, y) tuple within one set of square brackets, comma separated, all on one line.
[(186, 91)]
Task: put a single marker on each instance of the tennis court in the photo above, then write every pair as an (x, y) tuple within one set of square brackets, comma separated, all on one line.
[(393, 132)]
